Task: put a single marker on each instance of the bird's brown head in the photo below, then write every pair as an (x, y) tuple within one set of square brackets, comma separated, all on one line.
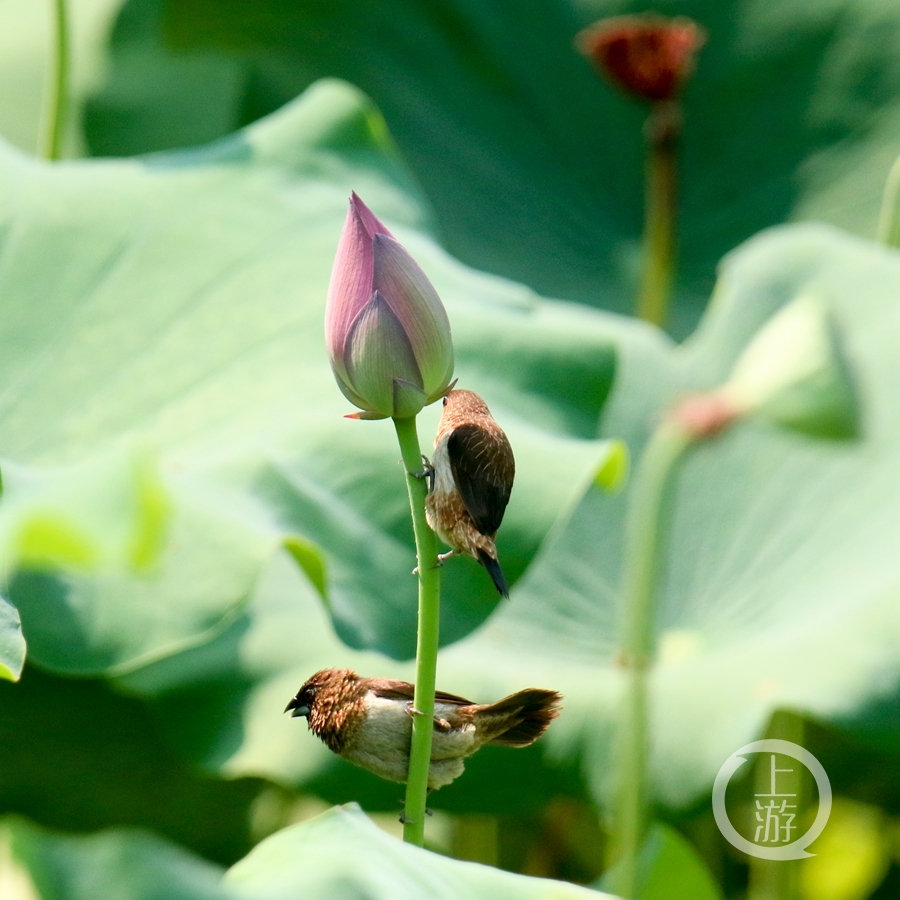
[(330, 701), (464, 406), (302, 702), (325, 680)]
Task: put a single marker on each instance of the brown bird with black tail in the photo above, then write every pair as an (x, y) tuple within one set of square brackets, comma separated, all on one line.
[(368, 721), (471, 472)]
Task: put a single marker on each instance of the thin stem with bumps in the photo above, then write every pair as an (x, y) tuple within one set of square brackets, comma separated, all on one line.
[(58, 103), (643, 551), (427, 639), (660, 211)]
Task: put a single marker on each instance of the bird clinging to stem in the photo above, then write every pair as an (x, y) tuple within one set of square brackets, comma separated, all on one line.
[(472, 471), (368, 721)]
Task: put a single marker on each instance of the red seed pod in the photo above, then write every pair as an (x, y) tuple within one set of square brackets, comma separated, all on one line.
[(650, 57)]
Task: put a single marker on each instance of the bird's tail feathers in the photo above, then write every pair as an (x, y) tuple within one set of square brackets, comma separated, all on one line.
[(521, 718), (493, 566)]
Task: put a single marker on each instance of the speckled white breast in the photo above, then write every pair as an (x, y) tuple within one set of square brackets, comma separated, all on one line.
[(443, 474), (382, 743)]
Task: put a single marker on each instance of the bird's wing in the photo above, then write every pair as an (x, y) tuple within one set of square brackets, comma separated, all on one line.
[(403, 690), (483, 469)]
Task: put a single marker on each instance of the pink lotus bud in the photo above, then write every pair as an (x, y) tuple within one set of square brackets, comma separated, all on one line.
[(386, 329), (648, 56)]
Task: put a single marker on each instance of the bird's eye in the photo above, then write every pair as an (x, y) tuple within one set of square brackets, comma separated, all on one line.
[(309, 694), (445, 401)]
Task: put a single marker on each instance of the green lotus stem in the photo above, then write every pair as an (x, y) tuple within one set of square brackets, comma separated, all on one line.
[(778, 879), (645, 532), (889, 218), (58, 104), (427, 640), (660, 211)]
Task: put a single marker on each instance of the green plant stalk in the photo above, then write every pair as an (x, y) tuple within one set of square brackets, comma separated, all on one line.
[(58, 102), (660, 213), (778, 879), (644, 545), (427, 640), (889, 219)]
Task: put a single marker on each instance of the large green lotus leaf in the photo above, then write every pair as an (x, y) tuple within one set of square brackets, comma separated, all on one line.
[(779, 587), (780, 579), (344, 854), (107, 615), (340, 854), (532, 163), (12, 644), (76, 756), (669, 868), (177, 302), (108, 512), (122, 863), (80, 538)]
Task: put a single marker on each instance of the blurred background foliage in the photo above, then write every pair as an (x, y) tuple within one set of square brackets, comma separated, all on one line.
[(192, 528)]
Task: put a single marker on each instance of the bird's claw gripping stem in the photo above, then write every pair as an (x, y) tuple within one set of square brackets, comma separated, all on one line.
[(405, 821), (427, 472), (440, 561)]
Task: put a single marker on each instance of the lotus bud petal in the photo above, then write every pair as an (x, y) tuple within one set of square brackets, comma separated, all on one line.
[(377, 354), (425, 322), (386, 330)]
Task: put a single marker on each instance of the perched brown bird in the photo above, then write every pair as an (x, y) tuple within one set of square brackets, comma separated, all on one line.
[(471, 474), (368, 721)]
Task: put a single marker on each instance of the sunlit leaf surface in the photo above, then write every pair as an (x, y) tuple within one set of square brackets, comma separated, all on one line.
[(340, 854), (533, 165)]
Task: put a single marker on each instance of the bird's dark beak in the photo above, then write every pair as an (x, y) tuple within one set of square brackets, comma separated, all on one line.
[(299, 708)]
